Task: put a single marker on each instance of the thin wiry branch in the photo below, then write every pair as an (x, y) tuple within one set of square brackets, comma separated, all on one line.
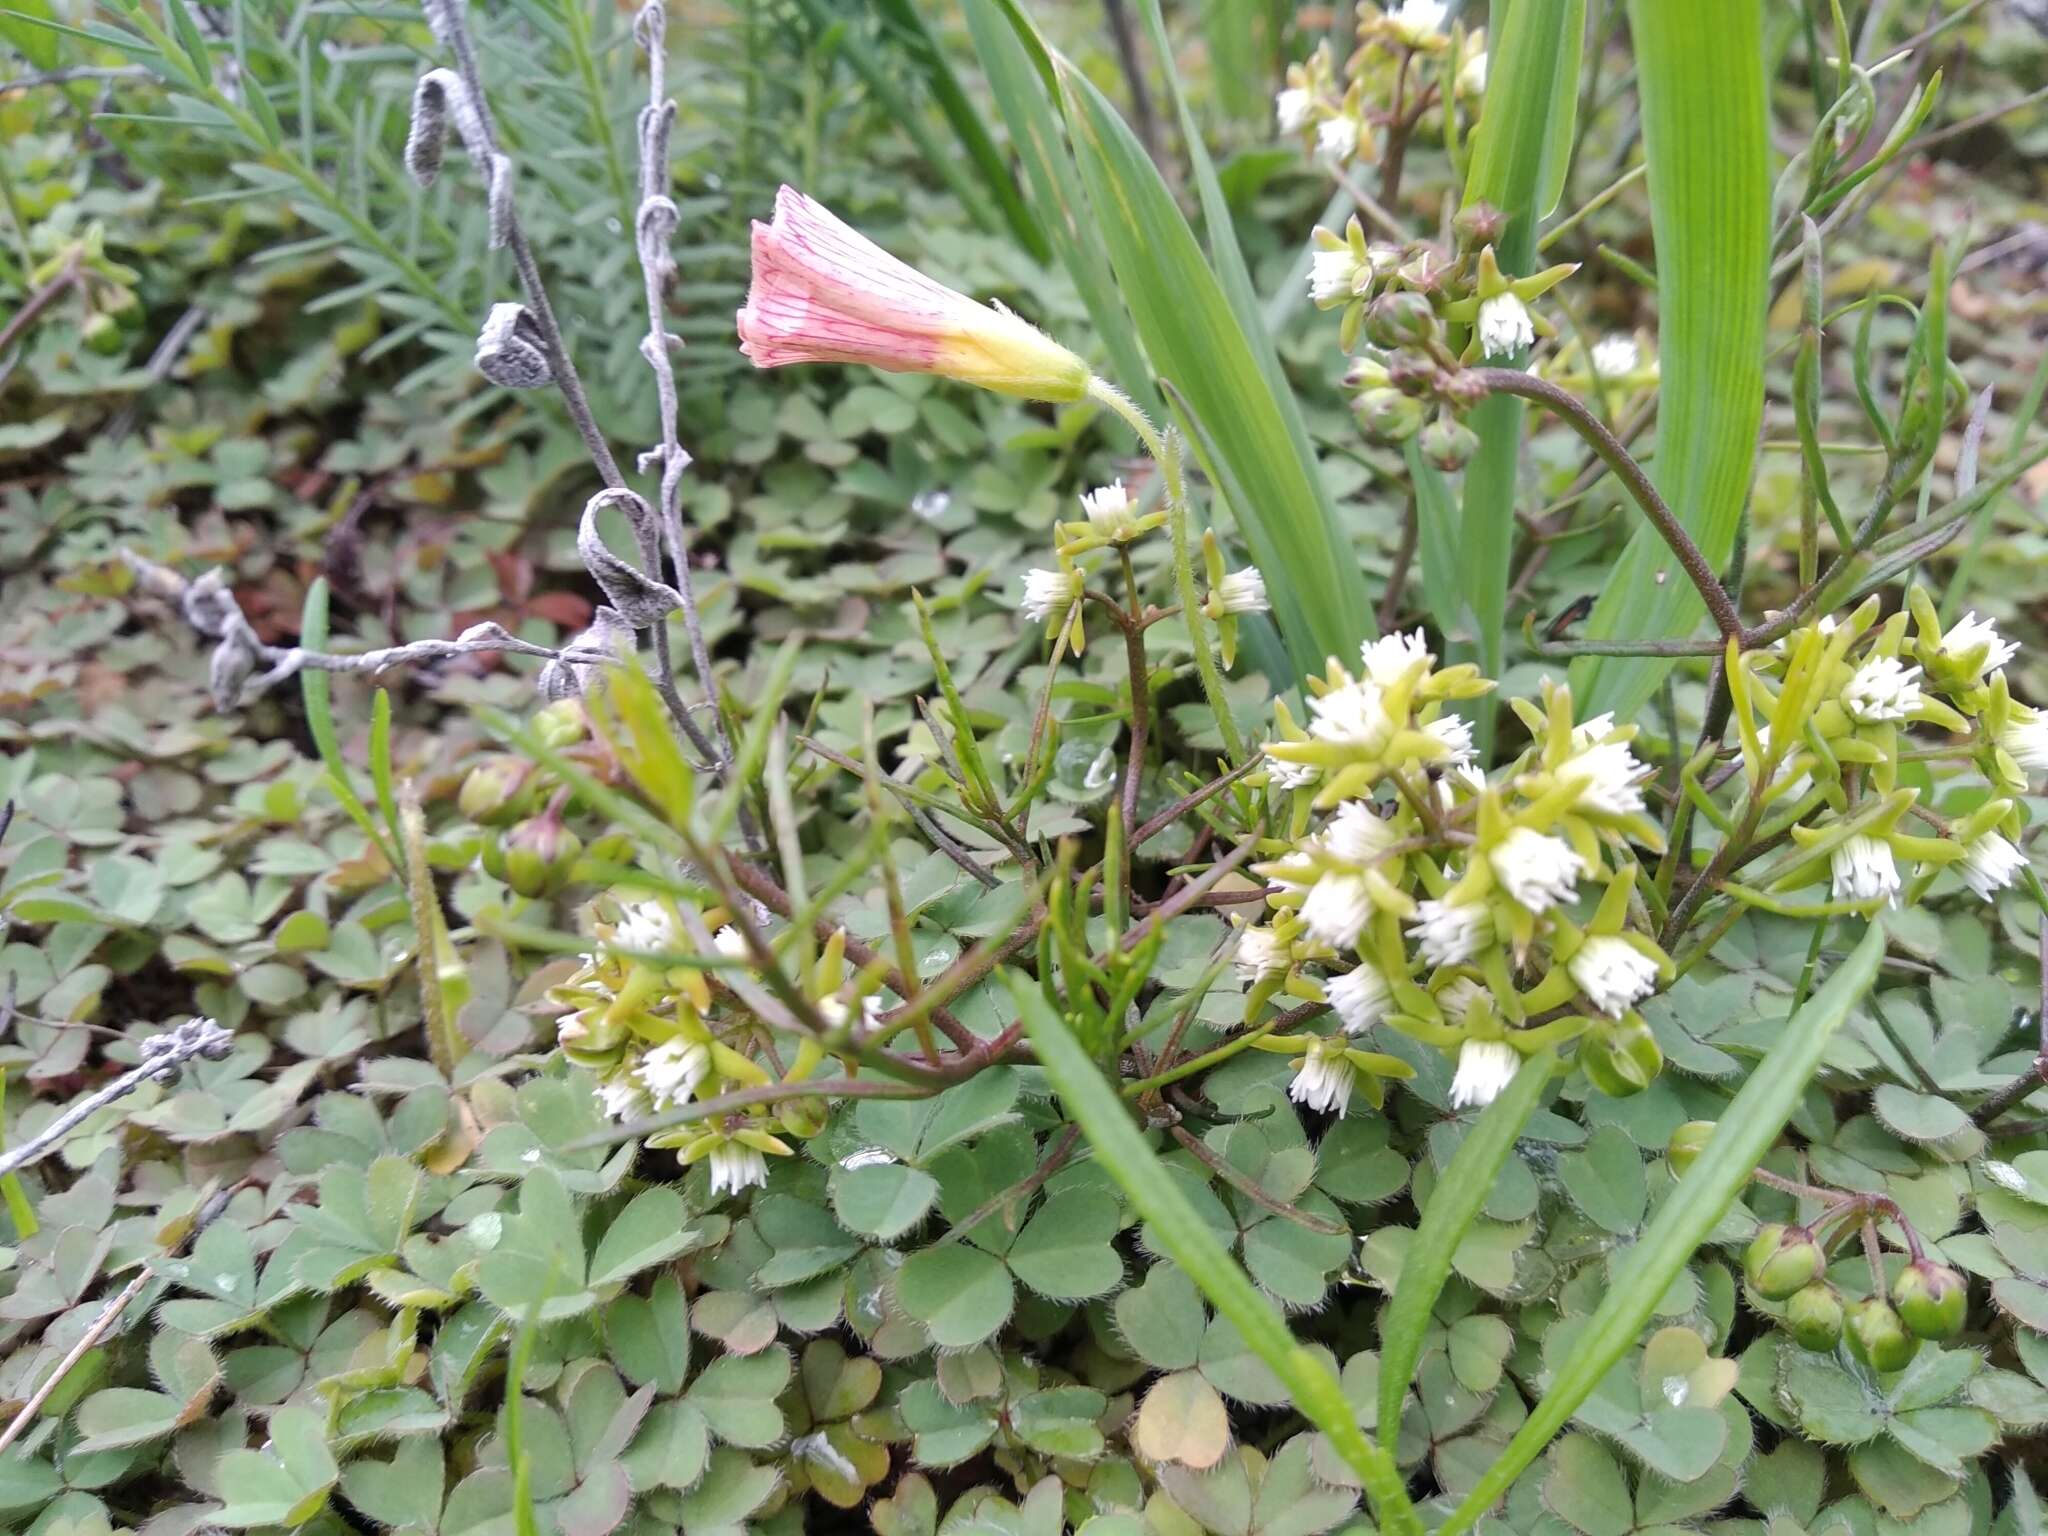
[(162, 1057)]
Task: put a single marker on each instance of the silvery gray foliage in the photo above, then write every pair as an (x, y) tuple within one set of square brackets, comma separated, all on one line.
[(510, 350), (439, 99), (607, 635)]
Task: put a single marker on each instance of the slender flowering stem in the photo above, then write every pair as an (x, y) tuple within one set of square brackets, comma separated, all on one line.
[(162, 1057)]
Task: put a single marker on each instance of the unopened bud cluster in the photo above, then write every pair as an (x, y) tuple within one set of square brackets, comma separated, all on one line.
[(1408, 63), (1884, 1330), (1487, 916)]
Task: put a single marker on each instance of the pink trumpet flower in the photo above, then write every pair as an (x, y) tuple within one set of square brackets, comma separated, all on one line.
[(825, 293)]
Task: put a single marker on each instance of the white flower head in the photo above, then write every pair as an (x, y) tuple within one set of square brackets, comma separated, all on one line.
[(1337, 139), (1360, 997), (1352, 715), (1109, 509), (1337, 910), (1292, 108), (1455, 733), (1882, 689), (1485, 1068), (1505, 326), (1614, 356), (1863, 869), (1613, 973), (1323, 1078), (1456, 1000), (1282, 774), (1415, 21), (1260, 953), (1449, 932), (1990, 864), (2025, 739), (1050, 594), (1968, 633), (1388, 657), (648, 926), (730, 942), (621, 1098), (735, 1167), (672, 1070), (1612, 776), (1472, 75), (1358, 835), (1537, 869), (1243, 591), (1333, 277)]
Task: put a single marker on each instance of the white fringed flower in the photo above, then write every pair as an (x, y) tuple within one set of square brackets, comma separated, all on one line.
[(1614, 356), (647, 926), (1360, 997), (1613, 777), (1472, 76), (1967, 634), (1357, 835), (1456, 1000), (622, 1099), (1109, 509), (1260, 953), (1415, 21), (1990, 864), (672, 1070), (1505, 326), (1050, 594), (1291, 108), (2025, 739), (1333, 277), (1613, 973), (1538, 870), (1337, 910), (1388, 657), (1322, 1080), (730, 942), (1337, 139), (1863, 869), (1485, 1068), (1243, 592), (1448, 932), (735, 1166), (1455, 732), (1884, 688), (1353, 715), (1282, 774)]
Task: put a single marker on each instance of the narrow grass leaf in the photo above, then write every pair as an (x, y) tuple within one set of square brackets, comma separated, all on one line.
[(1745, 1132)]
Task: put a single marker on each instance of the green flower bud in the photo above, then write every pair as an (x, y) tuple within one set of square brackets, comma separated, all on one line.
[(1932, 1299), (1782, 1260), (1413, 373), (1687, 1142), (1399, 319), (1623, 1060), (102, 334), (1388, 415), (538, 855), (1814, 1316), (1878, 1337), (1448, 443), (1366, 373), (1480, 224), (802, 1117), (122, 304), (562, 724), (494, 792)]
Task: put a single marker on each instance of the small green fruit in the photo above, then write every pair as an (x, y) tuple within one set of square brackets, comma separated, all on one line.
[(1399, 319), (1623, 1060), (1687, 1143), (102, 334), (494, 793), (562, 724), (1782, 1260), (538, 855), (1448, 443), (1932, 1299), (1814, 1316), (1878, 1335), (1388, 415)]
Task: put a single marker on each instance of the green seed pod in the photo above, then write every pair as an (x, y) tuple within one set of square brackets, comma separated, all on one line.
[(102, 334), (1388, 415), (493, 794), (1878, 1336), (1782, 1260), (1399, 319), (1932, 1299), (1448, 443), (1479, 224), (803, 1117), (1814, 1316), (1687, 1143), (562, 724), (538, 855), (1623, 1060)]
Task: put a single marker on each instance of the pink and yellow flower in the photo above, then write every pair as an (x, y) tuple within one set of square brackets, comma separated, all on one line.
[(825, 293)]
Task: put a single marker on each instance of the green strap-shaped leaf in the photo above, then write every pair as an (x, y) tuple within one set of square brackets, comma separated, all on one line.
[(1195, 338), (1745, 1132), (1518, 164), (1121, 1149), (1452, 1205), (1700, 72)]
